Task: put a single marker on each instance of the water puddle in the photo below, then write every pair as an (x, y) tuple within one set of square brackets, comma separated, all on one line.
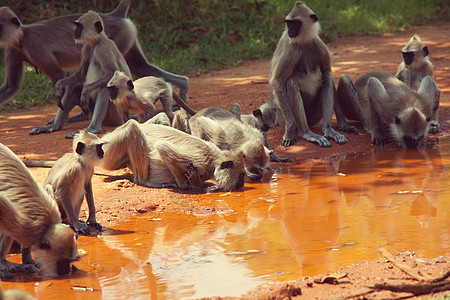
[(308, 218)]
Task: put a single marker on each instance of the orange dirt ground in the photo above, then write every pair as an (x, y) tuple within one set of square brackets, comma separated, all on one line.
[(117, 198)]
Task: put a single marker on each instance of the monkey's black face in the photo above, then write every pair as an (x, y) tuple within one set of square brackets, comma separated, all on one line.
[(113, 92), (78, 30), (412, 142), (100, 151), (294, 27), (408, 57), (265, 128)]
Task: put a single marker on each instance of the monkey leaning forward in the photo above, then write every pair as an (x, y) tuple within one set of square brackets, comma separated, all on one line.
[(30, 215)]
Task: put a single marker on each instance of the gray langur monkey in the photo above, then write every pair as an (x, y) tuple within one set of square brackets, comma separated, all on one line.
[(141, 95), (48, 45), (71, 180), (416, 65), (30, 215), (161, 156), (387, 108), (262, 118), (223, 129), (100, 58), (301, 82)]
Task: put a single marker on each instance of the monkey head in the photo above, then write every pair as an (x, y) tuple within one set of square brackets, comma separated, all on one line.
[(414, 50), (410, 127), (229, 171), (88, 146), (256, 159), (119, 86), (88, 28), (10, 27), (302, 23), (56, 250), (266, 116)]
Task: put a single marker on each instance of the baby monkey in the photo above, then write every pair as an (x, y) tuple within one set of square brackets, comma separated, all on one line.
[(141, 95), (70, 179)]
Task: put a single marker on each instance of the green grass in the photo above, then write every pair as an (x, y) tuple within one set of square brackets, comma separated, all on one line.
[(195, 36)]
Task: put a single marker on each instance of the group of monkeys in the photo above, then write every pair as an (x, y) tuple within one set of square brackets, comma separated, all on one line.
[(182, 148)]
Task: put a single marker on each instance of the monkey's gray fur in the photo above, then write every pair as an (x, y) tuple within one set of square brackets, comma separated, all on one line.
[(416, 65), (161, 156), (141, 95), (71, 180), (387, 108), (301, 82), (222, 128), (30, 215)]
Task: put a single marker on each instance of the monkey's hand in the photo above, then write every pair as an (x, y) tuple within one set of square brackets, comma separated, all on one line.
[(330, 133), (195, 180), (7, 268), (288, 140), (95, 224), (276, 158), (378, 140), (348, 128), (315, 138), (59, 94), (84, 102), (80, 227)]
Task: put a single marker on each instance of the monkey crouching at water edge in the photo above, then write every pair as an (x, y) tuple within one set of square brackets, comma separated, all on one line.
[(30, 215), (301, 82), (161, 156), (416, 65), (387, 108), (70, 179)]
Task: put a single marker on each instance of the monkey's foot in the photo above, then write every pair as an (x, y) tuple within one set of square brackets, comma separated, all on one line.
[(434, 126), (288, 141), (322, 141), (45, 129), (80, 227), (195, 180), (95, 224), (332, 134), (7, 268), (378, 140), (348, 128), (276, 158)]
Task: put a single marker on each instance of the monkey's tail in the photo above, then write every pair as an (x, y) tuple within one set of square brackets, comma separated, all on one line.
[(39, 163), (122, 8), (183, 104)]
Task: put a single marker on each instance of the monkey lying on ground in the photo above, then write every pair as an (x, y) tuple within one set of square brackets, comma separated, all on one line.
[(140, 96), (262, 118), (388, 108), (70, 180), (49, 46), (301, 82), (416, 65), (100, 58), (224, 130), (29, 214), (161, 156)]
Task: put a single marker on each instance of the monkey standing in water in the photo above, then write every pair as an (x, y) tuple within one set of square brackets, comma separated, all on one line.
[(387, 108), (301, 82), (29, 214), (100, 58), (140, 96), (416, 65), (70, 179)]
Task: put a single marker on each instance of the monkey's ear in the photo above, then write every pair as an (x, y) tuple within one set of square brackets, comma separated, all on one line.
[(227, 164), (314, 17), (257, 113), (98, 27), (130, 85), (44, 245), (80, 148), (397, 120), (15, 21), (425, 51)]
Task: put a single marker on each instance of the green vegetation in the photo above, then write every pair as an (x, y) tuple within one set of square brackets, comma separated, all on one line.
[(194, 36)]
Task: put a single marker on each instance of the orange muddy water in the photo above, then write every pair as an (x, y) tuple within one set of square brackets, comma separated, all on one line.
[(306, 218)]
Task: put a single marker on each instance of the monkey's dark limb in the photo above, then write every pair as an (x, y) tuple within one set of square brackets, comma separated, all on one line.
[(80, 227), (195, 180), (7, 268), (416, 289)]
